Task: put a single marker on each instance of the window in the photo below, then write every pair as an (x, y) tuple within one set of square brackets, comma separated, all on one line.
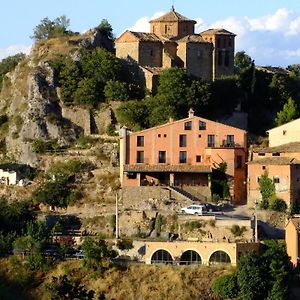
[(239, 161), (182, 140), (276, 180), (224, 43), (140, 157), (263, 167), (226, 62), (210, 140), (140, 141), (188, 125), (199, 136), (198, 158), (220, 58), (151, 52), (165, 135), (275, 154), (162, 157), (284, 132), (131, 175), (261, 154), (230, 140), (202, 125), (182, 157), (159, 135)]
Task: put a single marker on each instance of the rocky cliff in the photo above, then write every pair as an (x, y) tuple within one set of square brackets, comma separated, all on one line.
[(30, 106)]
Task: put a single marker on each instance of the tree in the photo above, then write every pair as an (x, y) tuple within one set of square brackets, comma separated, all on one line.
[(133, 114), (49, 29), (116, 90), (242, 61), (276, 262), (267, 190), (226, 286), (251, 278), (106, 29), (172, 92), (87, 93), (56, 193), (219, 182), (97, 254), (288, 113), (70, 75)]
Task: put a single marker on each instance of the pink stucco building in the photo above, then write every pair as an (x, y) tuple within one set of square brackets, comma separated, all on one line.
[(184, 152)]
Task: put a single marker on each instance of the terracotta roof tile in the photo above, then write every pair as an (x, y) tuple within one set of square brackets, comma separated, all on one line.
[(146, 36), (275, 161), (217, 31), (172, 16), (193, 38), (289, 147)]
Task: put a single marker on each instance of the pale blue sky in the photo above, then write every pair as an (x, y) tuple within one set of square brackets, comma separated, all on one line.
[(268, 30)]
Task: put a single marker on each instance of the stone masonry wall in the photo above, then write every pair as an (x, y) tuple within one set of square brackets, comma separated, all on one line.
[(78, 116)]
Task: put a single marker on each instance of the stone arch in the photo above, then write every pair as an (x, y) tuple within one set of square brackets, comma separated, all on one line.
[(161, 256), (190, 257), (220, 257)]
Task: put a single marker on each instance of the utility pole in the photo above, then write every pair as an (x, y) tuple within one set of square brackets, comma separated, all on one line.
[(255, 224), (117, 217)]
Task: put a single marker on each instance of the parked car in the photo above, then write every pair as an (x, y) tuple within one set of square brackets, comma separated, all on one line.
[(79, 254), (194, 209)]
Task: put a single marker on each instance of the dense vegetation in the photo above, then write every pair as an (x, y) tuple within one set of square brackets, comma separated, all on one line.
[(263, 276)]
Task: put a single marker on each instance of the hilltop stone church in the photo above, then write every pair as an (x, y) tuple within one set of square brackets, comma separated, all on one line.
[(172, 42)]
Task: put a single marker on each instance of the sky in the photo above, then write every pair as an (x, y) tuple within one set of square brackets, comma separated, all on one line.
[(267, 30)]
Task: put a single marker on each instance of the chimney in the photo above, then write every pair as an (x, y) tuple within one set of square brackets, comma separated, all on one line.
[(171, 120), (191, 113)]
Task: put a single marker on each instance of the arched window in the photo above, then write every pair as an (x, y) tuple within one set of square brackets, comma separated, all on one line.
[(190, 257), (161, 256), (219, 257)]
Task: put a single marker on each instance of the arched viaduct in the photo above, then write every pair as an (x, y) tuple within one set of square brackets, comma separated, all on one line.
[(183, 252)]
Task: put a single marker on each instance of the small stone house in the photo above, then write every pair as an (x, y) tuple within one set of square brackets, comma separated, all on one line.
[(171, 42)]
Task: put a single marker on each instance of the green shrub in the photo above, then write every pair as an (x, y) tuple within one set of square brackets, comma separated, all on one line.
[(226, 286), (236, 230), (39, 146), (116, 90), (278, 205), (193, 225), (110, 130), (125, 244)]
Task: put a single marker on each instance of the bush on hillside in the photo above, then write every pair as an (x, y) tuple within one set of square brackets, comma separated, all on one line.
[(226, 286)]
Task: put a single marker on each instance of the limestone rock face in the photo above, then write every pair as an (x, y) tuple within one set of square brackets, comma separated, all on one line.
[(34, 111), (30, 101)]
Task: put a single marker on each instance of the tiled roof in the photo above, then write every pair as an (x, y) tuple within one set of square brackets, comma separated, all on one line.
[(184, 120), (193, 38), (172, 16), (167, 168), (290, 147), (146, 36), (296, 223), (217, 31), (153, 70), (275, 161)]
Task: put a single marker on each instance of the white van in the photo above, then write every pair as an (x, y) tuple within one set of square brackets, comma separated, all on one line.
[(194, 209)]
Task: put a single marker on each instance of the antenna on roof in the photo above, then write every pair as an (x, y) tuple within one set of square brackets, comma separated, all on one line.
[(173, 9)]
